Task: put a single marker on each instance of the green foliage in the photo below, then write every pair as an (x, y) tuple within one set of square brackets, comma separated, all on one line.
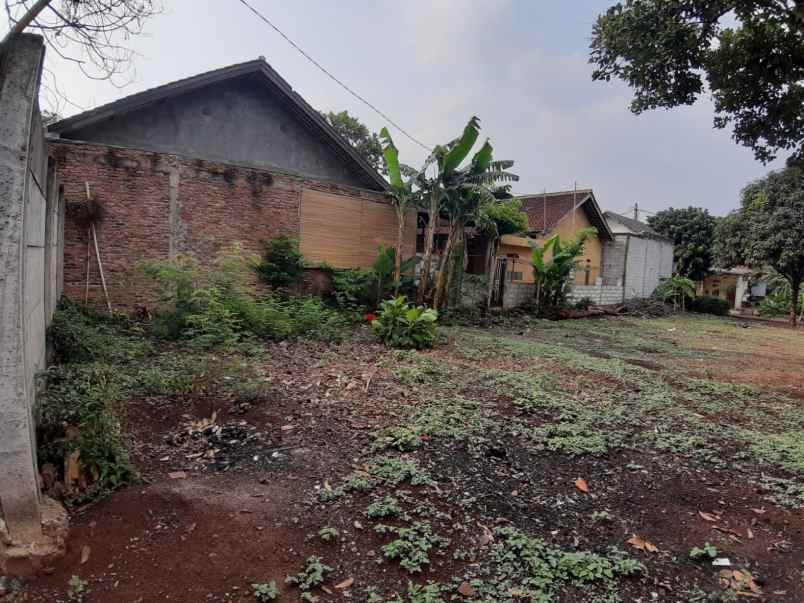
[(328, 534), (311, 575), (77, 589), (676, 290), (673, 51), (282, 263), (353, 290), (553, 266), (502, 217), (411, 544), (80, 334), (401, 325), (538, 571), (707, 552), (219, 307), (356, 133), (710, 305), (693, 233), (266, 591), (768, 230), (778, 300)]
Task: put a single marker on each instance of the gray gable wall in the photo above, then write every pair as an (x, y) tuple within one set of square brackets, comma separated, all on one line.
[(238, 120)]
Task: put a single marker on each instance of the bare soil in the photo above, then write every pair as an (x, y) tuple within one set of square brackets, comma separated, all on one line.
[(197, 530)]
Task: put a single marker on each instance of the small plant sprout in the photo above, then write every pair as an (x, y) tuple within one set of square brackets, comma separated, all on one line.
[(76, 589), (265, 592), (312, 575), (602, 517), (328, 534), (707, 552)]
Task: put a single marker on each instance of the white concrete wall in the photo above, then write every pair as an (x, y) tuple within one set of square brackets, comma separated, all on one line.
[(29, 279), (644, 262)]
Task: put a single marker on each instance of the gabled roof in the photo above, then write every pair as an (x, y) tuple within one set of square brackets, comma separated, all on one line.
[(258, 67), (635, 226), (546, 210)]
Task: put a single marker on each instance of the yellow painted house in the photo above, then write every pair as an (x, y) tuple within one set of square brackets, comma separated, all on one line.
[(564, 213)]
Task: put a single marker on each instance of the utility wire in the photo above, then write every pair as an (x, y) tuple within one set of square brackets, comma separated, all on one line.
[(332, 77)]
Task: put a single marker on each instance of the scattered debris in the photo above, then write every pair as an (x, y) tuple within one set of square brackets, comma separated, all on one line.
[(642, 544)]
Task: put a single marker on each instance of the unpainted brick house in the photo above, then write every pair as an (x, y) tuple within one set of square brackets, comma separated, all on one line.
[(232, 155)]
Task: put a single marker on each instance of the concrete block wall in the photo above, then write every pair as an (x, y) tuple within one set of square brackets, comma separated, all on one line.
[(517, 294), (600, 294), (644, 262), (29, 281)]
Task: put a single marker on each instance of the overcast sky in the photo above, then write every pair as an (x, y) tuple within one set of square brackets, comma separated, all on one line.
[(521, 67)]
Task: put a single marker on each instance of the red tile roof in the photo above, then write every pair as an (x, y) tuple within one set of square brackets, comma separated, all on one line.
[(546, 210)]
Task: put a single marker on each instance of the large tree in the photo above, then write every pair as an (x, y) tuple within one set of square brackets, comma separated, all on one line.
[(692, 230), (768, 230), (749, 54), (355, 132)]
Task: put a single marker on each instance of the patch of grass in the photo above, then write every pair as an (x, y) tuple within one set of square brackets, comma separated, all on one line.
[(706, 552), (784, 449), (382, 471), (385, 507)]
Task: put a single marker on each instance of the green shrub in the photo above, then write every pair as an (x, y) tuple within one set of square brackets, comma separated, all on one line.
[(401, 325), (282, 263), (80, 334), (710, 305), (219, 306), (353, 290)]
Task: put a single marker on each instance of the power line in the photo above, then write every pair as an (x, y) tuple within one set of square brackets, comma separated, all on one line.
[(332, 77)]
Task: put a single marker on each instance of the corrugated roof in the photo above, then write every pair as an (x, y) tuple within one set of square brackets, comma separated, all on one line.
[(258, 67), (635, 226)]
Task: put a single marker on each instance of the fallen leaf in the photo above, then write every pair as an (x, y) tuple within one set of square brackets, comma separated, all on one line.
[(749, 533), (759, 511), (707, 516), (581, 484), (287, 427), (346, 583), (640, 543), (177, 475), (487, 536), (85, 552), (466, 589)]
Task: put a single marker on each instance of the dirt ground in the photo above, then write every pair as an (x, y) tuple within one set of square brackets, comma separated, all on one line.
[(683, 431)]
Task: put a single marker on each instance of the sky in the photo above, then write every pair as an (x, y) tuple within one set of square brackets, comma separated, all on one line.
[(521, 67)]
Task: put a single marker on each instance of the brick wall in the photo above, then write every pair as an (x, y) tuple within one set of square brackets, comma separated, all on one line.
[(158, 205), (517, 294)]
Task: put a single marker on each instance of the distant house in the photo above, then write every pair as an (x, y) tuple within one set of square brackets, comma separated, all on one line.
[(739, 286), (637, 259), (562, 213), (195, 165)]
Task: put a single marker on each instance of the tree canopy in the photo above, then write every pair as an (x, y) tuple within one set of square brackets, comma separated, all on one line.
[(749, 54), (692, 230), (356, 133), (768, 229)]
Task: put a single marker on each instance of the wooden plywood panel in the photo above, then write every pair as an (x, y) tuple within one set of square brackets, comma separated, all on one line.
[(346, 232), (378, 227), (330, 229)]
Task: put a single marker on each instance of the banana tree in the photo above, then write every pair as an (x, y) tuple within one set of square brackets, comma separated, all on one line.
[(466, 190), (401, 193), (553, 265)]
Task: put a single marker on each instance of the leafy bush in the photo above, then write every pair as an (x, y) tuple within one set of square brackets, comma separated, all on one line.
[(352, 290), (282, 263), (219, 306), (710, 305), (79, 334), (401, 325), (553, 267)]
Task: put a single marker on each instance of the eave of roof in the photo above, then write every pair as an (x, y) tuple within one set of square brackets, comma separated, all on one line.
[(638, 228), (259, 67)]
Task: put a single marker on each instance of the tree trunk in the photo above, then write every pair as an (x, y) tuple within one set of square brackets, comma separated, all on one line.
[(452, 289), (446, 259), (429, 238), (491, 260), (400, 238), (795, 301)]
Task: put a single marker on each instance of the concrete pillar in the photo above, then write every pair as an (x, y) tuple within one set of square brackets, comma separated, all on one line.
[(20, 71)]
